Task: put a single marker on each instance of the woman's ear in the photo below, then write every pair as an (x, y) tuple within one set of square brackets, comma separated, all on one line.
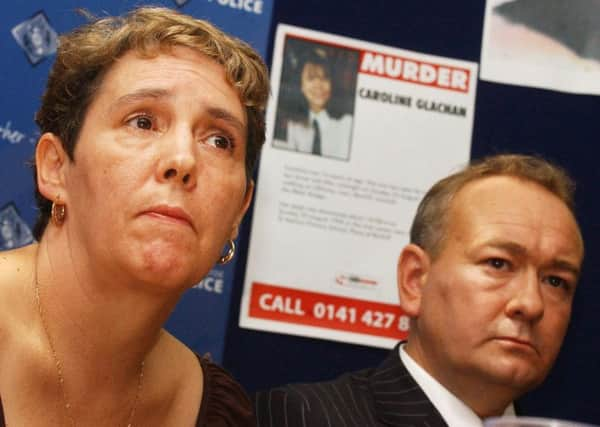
[(50, 161), (244, 208), (413, 268)]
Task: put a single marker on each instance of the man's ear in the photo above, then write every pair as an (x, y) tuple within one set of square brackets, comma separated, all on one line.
[(244, 208), (50, 161), (413, 268)]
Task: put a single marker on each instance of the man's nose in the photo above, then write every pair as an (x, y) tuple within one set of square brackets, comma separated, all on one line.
[(527, 301), (178, 162)]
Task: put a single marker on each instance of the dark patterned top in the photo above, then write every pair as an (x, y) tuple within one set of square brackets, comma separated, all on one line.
[(224, 402)]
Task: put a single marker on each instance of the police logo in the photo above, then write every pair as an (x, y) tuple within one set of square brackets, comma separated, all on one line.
[(180, 3), (36, 37), (14, 232)]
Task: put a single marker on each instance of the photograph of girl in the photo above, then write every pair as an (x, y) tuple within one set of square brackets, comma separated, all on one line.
[(316, 99)]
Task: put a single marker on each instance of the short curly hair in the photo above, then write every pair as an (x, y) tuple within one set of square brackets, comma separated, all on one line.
[(429, 224), (86, 54)]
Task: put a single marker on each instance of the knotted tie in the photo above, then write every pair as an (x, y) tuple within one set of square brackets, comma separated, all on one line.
[(316, 148)]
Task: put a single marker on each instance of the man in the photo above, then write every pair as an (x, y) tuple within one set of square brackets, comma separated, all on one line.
[(488, 282)]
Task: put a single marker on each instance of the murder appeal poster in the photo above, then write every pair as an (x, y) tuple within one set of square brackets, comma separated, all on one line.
[(357, 132)]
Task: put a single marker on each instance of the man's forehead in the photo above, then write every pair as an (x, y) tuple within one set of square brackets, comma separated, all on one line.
[(504, 203), (497, 189)]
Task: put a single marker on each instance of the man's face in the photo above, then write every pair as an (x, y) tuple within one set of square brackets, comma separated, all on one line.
[(496, 302), (316, 86)]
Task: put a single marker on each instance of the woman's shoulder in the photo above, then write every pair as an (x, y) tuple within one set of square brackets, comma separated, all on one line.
[(16, 275), (17, 261), (16, 270), (224, 401)]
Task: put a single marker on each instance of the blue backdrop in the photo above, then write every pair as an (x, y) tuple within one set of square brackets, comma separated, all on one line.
[(28, 43)]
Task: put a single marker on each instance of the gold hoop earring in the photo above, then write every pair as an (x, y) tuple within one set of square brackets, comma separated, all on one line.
[(58, 212), (229, 255)]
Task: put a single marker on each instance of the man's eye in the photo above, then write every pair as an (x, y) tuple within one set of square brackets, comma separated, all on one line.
[(557, 282), (220, 141)]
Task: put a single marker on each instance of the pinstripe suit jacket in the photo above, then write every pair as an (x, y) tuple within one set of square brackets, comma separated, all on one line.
[(382, 396)]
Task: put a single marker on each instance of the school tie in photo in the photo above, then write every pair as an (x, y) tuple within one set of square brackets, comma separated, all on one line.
[(316, 148)]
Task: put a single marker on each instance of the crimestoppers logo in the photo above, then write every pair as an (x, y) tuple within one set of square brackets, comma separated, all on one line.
[(356, 281), (36, 37), (14, 232)]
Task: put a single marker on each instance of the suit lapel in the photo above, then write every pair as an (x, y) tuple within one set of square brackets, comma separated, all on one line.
[(398, 399)]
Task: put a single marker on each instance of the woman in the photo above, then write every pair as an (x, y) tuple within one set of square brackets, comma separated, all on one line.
[(150, 127), (315, 129)]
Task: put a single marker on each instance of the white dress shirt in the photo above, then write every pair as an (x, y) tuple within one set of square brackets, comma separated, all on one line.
[(452, 410), (335, 135)]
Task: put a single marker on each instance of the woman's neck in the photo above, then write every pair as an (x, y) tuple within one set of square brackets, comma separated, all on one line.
[(99, 329)]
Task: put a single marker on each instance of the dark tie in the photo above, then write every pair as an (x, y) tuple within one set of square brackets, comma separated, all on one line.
[(316, 148)]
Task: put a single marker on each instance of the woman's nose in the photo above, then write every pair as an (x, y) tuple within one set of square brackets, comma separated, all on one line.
[(172, 173), (178, 163)]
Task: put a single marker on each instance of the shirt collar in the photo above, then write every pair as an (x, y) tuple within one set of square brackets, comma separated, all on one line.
[(455, 412), (319, 117)]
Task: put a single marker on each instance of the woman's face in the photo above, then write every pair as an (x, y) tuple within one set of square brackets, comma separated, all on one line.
[(316, 86), (158, 182)]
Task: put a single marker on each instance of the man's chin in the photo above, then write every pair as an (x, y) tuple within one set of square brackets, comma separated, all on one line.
[(518, 375)]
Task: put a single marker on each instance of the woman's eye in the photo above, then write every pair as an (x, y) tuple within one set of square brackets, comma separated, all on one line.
[(220, 141), (497, 263), (141, 122)]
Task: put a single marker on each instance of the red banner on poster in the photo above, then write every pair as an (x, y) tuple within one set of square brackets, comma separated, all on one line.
[(327, 311), (440, 76)]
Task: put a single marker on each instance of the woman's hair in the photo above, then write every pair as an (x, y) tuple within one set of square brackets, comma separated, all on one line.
[(86, 54), (429, 226)]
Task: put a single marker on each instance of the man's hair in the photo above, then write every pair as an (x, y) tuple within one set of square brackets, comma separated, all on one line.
[(429, 226), (86, 54)]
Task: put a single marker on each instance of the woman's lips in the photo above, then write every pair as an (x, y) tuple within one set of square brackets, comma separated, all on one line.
[(171, 214)]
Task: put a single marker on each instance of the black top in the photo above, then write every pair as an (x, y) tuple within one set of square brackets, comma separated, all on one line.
[(224, 402)]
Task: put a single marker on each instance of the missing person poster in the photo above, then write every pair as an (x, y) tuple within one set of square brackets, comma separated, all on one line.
[(357, 132)]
